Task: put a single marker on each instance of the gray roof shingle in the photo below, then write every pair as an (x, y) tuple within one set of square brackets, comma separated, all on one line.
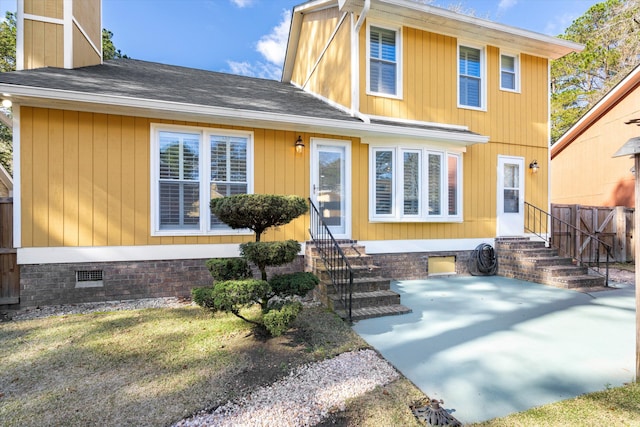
[(153, 81)]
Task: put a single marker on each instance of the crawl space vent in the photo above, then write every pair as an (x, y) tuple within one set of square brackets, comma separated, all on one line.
[(89, 279)]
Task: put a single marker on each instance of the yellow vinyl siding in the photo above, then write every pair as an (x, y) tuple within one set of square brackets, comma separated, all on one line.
[(430, 91), (87, 14), (43, 44), (83, 53), (480, 164), (331, 78), (47, 8), (86, 179)]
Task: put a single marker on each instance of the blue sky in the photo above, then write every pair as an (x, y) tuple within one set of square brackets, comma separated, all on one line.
[(249, 36)]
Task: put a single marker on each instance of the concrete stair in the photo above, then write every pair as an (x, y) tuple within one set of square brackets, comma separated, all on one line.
[(372, 295), (522, 258)]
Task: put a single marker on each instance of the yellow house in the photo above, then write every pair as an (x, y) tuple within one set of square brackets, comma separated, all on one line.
[(419, 127)]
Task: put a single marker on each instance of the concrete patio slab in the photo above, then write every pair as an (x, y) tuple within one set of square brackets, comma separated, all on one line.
[(491, 346)]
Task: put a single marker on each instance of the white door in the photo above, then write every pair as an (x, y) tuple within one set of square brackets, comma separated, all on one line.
[(330, 184), (510, 215)]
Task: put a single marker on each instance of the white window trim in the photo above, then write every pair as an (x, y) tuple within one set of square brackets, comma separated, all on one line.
[(398, 185), (399, 56), (516, 66), (483, 76), (204, 165)]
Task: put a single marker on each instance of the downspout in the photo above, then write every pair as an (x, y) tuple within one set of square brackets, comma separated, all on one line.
[(355, 63)]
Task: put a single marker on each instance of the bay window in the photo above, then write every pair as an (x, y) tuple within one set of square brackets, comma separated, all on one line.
[(416, 185), (189, 167)]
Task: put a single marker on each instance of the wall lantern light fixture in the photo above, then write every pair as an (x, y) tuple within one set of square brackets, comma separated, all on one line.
[(299, 145), (534, 166)]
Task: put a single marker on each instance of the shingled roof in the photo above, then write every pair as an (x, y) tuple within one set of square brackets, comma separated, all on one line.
[(194, 94), (153, 81)]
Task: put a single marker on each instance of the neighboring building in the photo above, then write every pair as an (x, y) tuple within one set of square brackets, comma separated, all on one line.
[(583, 170), (6, 183), (419, 125)]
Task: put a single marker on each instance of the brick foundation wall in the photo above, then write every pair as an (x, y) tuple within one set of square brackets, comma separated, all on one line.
[(53, 284), (407, 266)]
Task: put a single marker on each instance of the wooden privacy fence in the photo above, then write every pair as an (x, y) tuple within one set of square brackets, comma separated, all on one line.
[(9, 271), (612, 225)]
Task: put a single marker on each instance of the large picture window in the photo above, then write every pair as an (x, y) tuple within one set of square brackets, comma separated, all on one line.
[(416, 185), (383, 64), (190, 166)]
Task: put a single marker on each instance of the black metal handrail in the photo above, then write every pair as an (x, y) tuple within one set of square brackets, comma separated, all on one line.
[(336, 262), (568, 239)]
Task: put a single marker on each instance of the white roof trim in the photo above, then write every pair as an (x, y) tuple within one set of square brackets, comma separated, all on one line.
[(113, 104)]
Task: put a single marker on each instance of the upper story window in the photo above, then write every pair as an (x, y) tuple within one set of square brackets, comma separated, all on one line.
[(471, 81), (509, 72), (415, 185), (190, 166), (383, 64)]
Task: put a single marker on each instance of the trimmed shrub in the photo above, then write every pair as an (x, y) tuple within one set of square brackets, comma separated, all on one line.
[(258, 212), (278, 320), (222, 269), (288, 285), (265, 254)]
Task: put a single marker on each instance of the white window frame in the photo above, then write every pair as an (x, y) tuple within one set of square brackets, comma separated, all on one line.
[(398, 32), (516, 72), (397, 214), (204, 177), (483, 76)]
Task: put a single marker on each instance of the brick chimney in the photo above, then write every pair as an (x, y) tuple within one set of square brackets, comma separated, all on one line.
[(58, 33)]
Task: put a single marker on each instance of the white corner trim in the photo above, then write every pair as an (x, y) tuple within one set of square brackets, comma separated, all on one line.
[(20, 36), (428, 245), (17, 182), (67, 17)]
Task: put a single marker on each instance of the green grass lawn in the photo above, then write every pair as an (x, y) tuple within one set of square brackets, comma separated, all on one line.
[(154, 367)]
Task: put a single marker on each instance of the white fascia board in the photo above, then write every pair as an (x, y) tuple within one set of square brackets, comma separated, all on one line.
[(56, 98), (477, 28), (66, 255)]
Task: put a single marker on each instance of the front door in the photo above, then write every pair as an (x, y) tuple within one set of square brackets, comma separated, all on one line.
[(330, 184), (510, 218)]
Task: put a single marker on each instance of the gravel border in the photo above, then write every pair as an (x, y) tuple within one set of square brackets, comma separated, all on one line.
[(307, 396)]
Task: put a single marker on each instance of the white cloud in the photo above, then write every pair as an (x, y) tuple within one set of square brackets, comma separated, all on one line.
[(559, 23), (506, 4), (273, 45), (258, 69), (242, 3)]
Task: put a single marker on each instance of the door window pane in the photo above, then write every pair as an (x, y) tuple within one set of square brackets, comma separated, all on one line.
[(511, 188), (330, 200)]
